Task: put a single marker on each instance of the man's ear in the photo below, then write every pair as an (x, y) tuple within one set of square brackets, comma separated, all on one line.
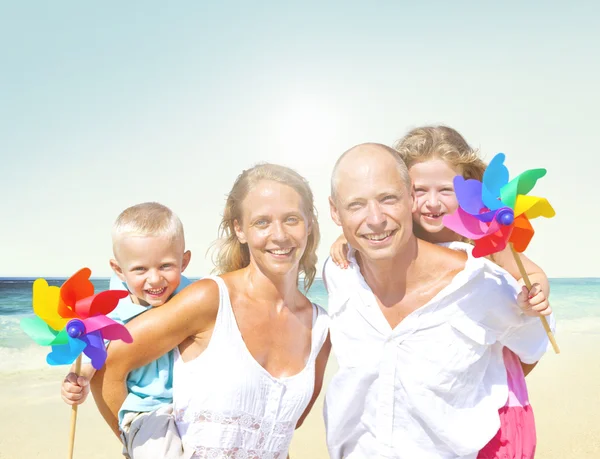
[(114, 264), (187, 256), (239, 232), (335, 216)]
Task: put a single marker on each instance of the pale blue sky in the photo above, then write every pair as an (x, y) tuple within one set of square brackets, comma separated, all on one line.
[(109, 104)]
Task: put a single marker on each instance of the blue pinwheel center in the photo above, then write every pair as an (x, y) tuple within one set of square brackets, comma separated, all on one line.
[(505, 216), (75, 328)]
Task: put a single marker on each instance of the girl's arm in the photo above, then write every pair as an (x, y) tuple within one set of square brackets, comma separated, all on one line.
[(536, 299), (530, 301), (155, 332), (339, 252)]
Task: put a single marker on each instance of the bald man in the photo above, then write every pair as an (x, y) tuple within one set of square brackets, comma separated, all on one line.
[(417, 329)]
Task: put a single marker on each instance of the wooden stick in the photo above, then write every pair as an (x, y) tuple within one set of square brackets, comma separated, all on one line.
[(528, 285), (74, 413)]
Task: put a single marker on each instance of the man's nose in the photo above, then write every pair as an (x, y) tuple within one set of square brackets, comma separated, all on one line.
[(375, 216)]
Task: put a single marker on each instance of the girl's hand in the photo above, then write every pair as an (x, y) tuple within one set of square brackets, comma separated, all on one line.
[(534, 302), (339, 251)]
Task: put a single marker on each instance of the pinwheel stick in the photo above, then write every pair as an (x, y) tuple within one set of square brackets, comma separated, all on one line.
[(528, 285), (74, 413)]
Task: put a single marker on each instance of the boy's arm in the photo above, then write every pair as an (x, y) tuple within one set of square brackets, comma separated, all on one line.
[(154, 333), (76, 387)]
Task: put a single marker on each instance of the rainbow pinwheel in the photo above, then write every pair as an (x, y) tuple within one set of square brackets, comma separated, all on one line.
[(496, 212), (73, 320)]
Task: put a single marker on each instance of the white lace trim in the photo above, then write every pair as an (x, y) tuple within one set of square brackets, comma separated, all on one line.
[(277, 435), (238, 418)]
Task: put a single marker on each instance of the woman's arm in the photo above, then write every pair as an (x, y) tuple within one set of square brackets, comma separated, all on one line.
[(320, 365), (155, 332)]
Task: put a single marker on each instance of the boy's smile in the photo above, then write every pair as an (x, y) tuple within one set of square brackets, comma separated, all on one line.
[(151, 266)]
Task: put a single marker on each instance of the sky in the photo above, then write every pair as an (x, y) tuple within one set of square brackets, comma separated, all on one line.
[(107, 104)]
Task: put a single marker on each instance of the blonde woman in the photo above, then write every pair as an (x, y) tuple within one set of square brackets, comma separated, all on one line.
[(251, 348)]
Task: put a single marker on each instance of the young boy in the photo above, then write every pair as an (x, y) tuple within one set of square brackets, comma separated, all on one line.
[(149, 257)]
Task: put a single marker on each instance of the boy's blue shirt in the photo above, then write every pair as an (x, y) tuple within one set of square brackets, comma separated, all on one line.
[(150, 386)]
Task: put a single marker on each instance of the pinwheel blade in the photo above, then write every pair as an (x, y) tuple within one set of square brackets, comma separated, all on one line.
[(468, 225), (101, 303), (66, 353), (468, 195), (494, 178), (95, 349), (41, 332), (521, 184), (522, 234), (492, 243), (533, 207), (45, 301), (77, 287), (109, 329)]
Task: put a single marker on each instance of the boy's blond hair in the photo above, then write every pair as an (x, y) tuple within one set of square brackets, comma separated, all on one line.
[(147, 219)]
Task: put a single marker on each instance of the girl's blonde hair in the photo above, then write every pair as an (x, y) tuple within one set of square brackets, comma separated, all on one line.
[(430, 142), (232, 254)]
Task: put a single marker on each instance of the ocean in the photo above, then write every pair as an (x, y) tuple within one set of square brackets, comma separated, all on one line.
[(576, 303)]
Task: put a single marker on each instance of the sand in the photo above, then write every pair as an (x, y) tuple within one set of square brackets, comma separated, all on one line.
[(564, 391)]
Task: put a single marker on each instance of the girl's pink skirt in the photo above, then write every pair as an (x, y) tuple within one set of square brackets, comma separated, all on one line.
[(516, 437)]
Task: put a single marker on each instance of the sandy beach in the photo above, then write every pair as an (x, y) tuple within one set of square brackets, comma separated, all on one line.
[(564, 391)]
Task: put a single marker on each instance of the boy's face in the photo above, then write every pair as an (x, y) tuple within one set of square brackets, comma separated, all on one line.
[(151, 266)]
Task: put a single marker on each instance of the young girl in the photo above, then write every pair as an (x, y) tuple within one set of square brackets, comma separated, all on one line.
[(434, 156)]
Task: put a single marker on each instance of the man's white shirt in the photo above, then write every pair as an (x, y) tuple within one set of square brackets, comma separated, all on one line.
[(432, 386)]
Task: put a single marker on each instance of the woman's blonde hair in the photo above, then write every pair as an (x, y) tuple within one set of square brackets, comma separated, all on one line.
[(430, 142), (232, 254)]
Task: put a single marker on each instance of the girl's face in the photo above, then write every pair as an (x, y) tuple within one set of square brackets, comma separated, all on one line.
[(434, 195)]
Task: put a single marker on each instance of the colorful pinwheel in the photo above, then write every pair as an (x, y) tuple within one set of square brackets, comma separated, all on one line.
[(496, 212), (72, 319)]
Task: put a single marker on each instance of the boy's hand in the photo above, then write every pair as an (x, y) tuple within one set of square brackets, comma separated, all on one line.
[(339, 251), (75, 389), (534, 302)]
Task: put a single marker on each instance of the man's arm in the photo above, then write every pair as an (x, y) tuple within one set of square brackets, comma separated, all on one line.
[(154, 333)]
